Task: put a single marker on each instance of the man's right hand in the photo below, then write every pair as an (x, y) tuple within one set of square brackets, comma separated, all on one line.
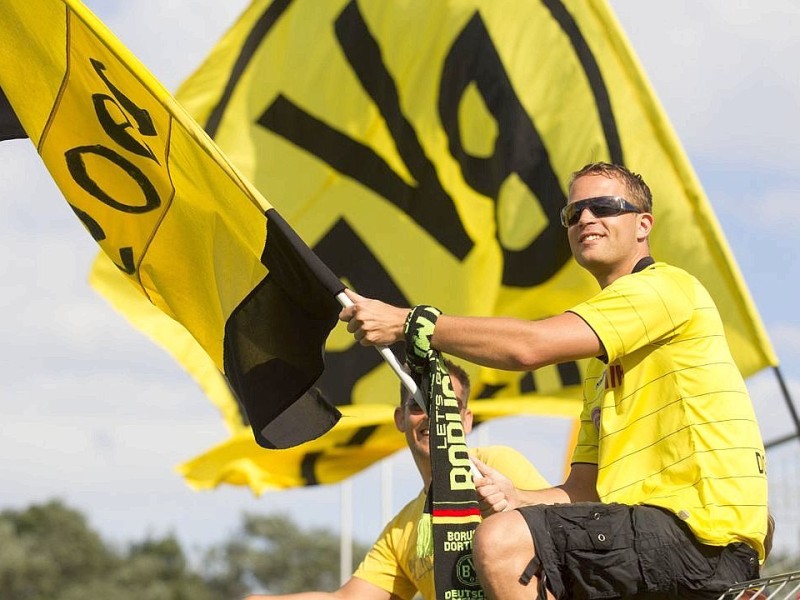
[(495, 491), (372, 322)]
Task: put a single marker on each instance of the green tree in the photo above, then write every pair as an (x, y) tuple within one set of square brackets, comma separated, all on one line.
[(273, 554), (48, 552), (155, 569), (45, 546)]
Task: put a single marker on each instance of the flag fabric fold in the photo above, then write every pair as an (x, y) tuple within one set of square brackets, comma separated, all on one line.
[(266, 357), (173, 214)]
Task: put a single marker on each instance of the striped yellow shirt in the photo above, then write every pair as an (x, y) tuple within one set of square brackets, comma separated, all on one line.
[(667, 417)]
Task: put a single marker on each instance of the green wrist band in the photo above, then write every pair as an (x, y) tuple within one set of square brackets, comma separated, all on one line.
[(418, 331)]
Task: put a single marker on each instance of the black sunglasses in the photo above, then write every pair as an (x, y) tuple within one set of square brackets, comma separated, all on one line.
[(601, 206)]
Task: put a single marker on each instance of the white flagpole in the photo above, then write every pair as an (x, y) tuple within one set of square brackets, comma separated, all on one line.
[(346, 537), (405, 378), (390, 358), (386, 489)]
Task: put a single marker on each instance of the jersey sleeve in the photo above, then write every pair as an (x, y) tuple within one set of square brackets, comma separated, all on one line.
[(586, 446), (639, 309), (382, 564)]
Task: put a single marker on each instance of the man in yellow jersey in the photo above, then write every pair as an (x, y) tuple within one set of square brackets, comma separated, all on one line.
[(667, 496), (393, 569)]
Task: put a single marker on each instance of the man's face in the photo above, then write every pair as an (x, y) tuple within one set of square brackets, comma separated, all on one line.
[(413, 422), (601, 245)]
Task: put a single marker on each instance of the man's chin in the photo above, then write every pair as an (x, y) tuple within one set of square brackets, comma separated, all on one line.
[(587, 259), (424, 445), (593, 263)]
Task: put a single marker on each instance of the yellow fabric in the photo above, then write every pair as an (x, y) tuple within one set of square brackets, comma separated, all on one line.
[(364, 435), (416, 38), (668, 420), (392, 563), (107, 280), (153, 190), (350, 118)]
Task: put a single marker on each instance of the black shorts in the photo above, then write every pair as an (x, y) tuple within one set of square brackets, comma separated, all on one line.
[(593, 550)]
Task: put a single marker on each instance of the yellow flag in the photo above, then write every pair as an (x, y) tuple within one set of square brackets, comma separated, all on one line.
[(424, 148), (166, 206)]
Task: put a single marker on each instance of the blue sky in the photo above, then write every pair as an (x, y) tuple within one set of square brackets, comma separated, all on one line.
[(93, 413)]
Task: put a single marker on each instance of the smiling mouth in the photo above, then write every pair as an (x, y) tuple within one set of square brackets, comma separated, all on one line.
[(591, 237)]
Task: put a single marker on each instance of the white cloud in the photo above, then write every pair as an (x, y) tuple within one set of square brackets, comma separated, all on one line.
[(170, 38), (725, 73), (786, 337), (771, 407), (777, 209)]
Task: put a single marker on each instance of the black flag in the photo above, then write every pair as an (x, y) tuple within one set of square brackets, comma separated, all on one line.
[(10, 127)]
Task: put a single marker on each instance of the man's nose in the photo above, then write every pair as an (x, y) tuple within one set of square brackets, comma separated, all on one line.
[(586, 216)]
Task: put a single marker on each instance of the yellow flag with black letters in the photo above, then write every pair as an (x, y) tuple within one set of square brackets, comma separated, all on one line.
[(423, 149), (166, 206)]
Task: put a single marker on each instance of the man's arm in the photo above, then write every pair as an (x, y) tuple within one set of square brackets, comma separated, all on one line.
[(353, 589), (497, 342), (496, 493), (769, 536)]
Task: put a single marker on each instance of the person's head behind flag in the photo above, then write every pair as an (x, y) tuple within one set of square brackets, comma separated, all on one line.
[(459, 379), (411, 420)]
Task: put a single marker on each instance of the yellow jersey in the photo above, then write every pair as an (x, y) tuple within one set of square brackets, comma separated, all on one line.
[(667, 417), (392, 563)]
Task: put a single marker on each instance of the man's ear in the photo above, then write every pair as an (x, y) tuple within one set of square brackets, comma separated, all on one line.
[(399, 419), (467, 421), (644, 227)]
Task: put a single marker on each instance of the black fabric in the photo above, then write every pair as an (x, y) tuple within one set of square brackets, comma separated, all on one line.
[(594, 550), (274, 342), (643, 264), (533, 569), (291, 252), (10, 127)]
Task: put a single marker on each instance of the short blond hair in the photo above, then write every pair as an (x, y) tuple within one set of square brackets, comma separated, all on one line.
[(638, 190), (456, 372)]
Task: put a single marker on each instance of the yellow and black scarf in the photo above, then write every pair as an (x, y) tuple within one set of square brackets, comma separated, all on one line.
[(452, 504)]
